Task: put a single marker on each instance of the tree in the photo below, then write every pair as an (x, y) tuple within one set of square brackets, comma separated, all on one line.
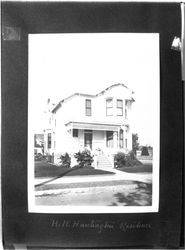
[(135, 143), (145, 151)]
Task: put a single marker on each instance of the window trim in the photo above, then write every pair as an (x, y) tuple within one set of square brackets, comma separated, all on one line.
[(126, 109), (112, 139), (110, 98), (88, 108), (75, 135), (49, 140), (121, 138), (119, 108)]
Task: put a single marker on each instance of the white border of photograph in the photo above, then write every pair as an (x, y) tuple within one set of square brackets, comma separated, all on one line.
[(155, 113)]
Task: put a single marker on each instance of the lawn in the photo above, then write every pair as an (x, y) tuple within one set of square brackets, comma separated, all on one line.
[(43, 169), (145, 168)]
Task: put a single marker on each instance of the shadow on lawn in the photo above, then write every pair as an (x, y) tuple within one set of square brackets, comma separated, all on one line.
[(140, 196), (58, 176), (45, 170), (144, 168)]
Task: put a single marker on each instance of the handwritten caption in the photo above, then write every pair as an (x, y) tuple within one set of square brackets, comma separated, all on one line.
[(100, 226)]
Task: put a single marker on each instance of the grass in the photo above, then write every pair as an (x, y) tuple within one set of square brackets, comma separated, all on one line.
[(114, 183), (45, 170), (145, 168), (143, 157)]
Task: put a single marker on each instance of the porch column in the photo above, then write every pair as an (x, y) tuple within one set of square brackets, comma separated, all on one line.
[(105, 139), (119, 138), (126, 138), (115, 139)]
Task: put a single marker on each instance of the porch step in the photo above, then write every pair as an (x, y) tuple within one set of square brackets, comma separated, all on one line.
[(103, 162)]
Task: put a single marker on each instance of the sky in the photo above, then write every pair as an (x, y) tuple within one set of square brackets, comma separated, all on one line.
[(62, 64)]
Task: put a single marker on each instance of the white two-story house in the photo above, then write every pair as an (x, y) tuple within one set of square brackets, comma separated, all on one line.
[(98, 122)]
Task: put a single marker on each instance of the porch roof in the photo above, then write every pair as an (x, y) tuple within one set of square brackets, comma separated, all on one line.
[(94, 125)]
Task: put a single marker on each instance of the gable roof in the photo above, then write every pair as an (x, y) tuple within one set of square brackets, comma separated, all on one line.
[(69, 97), (92, 96), (113, 86)]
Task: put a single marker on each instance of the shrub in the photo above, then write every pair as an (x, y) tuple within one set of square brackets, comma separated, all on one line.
[(65, 160), (126, 160), (119, 160), (131, 155), (84, 158), (131, 160), (38, 157), (144, 151)]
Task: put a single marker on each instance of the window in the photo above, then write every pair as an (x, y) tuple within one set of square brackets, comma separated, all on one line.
[(88, 137), (109, 136), (120, 107), (126, 113), (109, 107), (88, 107), (121, 138), (49, 140), (75, 132), (126, 103)]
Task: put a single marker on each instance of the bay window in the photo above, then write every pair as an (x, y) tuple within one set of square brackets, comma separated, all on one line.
[(119, 107)]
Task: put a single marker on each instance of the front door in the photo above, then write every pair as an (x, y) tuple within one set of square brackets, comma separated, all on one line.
[(88, 138)]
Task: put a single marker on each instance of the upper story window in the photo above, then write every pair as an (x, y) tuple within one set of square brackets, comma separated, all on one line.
[(109, 107), (88, 107), (119, 107), (126, 109)]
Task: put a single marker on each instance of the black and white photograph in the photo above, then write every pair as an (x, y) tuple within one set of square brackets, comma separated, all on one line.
[(93, 123)]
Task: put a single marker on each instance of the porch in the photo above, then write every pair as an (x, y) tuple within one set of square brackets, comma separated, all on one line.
[(104, 140), (103, 137)]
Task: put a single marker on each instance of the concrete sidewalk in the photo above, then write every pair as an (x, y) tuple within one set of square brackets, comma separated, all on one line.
[(118, 175)]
